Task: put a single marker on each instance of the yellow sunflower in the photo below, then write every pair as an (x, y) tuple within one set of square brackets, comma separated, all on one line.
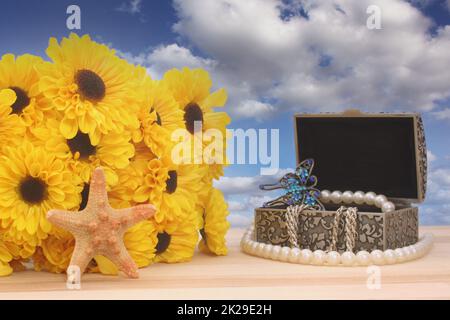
[(130, 179), (113, 150), (33, 181), (19, 75), (91, 86), (20, 250), (152, 185), (12, 255), (215, 226), (191, 89), (159, 116), (11, 126), (172, 189), (5, 258), (176, 240), (54, 254)]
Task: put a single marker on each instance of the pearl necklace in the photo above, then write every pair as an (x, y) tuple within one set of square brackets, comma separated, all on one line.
[(334, 258), (358, 197)]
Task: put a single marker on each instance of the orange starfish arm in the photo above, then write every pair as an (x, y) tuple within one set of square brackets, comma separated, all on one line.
[(130, 216), (122, 259), (82, 255), (68, 220), (97, 188)]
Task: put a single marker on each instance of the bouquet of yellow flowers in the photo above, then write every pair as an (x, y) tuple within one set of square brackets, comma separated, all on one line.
[(86, 108)]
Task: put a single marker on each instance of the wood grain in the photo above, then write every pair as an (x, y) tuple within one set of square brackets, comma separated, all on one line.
[(239, 276)]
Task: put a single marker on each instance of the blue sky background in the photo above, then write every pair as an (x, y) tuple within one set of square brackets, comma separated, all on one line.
[(277, 58)]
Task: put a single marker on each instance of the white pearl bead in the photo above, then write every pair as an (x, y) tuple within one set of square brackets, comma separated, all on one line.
[(379, 200), (377, 257), (284, 254), (348, 258), (336, 197), (425, 248), (325, 196), (399, 254), (369, 198), (347, 197), (294, 256), (390, 257), (421, 249), (407, 253), (267, 251), (363, 258), (306, 256), (259, 248), (319, 257), (419, 245), (413, 252), (387, 207), (333, 258), (358, 197), (253, 247), (276, 250)]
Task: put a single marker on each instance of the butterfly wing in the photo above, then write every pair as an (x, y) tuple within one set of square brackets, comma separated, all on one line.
[(311, 199)]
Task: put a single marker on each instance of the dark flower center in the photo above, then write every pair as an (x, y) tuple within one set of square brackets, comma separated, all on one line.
[(192, 114), (33, 190), (158, 117), (203, 234), (163, 242), (82, 144), (84, 196), (22, 100), (90, 85), (172, 181)]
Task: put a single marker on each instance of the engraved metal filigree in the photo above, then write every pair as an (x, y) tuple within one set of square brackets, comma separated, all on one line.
[(375, 230)]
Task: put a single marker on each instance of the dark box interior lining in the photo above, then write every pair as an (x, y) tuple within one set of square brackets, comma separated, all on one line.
[(361, 153)]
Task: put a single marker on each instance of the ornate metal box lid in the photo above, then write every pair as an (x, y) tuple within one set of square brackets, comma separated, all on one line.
[(384, 153)]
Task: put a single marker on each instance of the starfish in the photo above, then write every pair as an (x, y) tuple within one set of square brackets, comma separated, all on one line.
[(98, 229)]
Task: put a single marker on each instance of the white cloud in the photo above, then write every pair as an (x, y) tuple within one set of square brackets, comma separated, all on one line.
[(443, 114), (258, 201), (239, 220), (130, 6), (430, 156), (260, 56), (165, 57), (254, 109), (396, 68), (245, 185), (441, 177), (171, 56), (236, 205), (436, 208)]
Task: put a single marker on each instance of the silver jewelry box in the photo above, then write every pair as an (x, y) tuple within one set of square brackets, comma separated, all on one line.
[(384, 153)]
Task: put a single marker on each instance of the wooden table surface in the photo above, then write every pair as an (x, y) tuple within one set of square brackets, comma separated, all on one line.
[(240, 276)]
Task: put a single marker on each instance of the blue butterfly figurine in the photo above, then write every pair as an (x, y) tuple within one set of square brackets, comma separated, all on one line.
[(299, 186)]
